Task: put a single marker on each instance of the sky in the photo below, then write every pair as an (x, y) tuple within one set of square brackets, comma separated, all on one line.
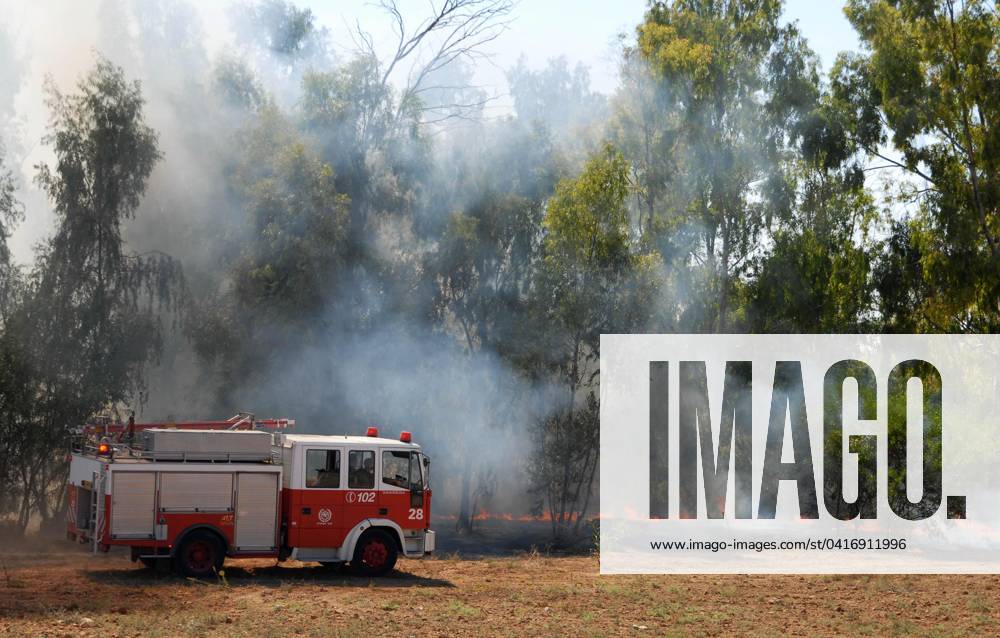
[(58, 38), (587, 31)]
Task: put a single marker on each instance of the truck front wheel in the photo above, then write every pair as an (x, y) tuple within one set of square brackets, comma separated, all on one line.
[(199, 555), (375, 554)]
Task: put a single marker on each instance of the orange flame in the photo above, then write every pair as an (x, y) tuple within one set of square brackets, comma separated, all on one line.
[(486, 515)]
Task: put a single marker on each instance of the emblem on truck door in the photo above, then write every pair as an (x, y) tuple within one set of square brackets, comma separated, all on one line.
[(324, 515)]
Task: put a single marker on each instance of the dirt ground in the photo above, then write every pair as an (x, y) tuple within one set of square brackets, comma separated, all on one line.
[(65, 592)]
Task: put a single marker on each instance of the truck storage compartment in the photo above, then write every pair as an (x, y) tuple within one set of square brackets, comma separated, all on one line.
[(132, 505), (83, 511), (206, 445), (196, 492), (256, 512)]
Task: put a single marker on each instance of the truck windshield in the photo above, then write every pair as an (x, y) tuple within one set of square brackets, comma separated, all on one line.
[(396, 469)]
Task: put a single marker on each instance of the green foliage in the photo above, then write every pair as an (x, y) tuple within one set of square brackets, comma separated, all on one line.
[(586, 220), (92, 330), (85, 324), (237, 86), (927, 83), (278, 288), (483, 266), (349, 109), (297, 219), (279, 28), (816, 275), (482, 270), (735, 84), (592, 280), (369, 134), (11, 210)]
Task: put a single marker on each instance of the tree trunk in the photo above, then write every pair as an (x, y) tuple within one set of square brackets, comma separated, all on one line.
[(721, 325), (566, 433), (465, 514)]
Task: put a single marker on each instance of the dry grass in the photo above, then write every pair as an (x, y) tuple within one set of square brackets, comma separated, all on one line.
[(72, 594)]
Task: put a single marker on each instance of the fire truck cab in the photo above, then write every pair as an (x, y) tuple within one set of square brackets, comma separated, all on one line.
[(355, 498), (194, 493)]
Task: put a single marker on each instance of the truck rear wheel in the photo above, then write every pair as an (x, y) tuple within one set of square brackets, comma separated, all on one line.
[(200, 555), (375, 554)]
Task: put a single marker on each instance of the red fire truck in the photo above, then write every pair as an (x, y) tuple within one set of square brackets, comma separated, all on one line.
[(194, 493)]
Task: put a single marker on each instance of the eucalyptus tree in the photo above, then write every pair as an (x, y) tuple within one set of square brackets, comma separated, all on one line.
[(91, 317), (923, 94), (274, 295), (372, 117), (734, 79), (816, 272), (15, 377), (480, 273), (592, 279)]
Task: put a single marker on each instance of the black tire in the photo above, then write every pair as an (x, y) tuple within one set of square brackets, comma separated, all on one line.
[(200, 555), (375, 554)]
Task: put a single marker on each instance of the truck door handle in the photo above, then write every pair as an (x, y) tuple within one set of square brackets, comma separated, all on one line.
[(307, 510), (383, 511)]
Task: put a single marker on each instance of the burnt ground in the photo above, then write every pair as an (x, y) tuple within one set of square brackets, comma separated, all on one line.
[(500, 537)]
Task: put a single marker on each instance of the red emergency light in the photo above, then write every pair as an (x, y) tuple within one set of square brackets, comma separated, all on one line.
[(372, 431), (405, 437)]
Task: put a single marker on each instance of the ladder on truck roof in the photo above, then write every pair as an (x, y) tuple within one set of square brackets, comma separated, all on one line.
[(239, 421), (124, 438)]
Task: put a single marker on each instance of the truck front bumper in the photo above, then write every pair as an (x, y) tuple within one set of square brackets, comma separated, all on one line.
[(418, 545)]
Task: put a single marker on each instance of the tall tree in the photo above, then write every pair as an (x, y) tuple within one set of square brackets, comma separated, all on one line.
[(15, 377), (279, 288), (483, 266), (371, 118), (558, 97), (734, 79), (816, 275), (93, 308), (927, 82), (592, 280)]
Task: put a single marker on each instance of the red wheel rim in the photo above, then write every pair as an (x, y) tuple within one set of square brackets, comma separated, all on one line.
[(375, 554), (199, 556)]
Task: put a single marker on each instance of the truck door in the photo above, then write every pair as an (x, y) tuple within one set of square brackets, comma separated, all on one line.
[(401, 493), (361, 500), (320, 511), (420, 490)]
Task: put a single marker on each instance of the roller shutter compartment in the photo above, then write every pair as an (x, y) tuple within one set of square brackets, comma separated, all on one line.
[(133, 499), (196, 492), (256, 511)]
